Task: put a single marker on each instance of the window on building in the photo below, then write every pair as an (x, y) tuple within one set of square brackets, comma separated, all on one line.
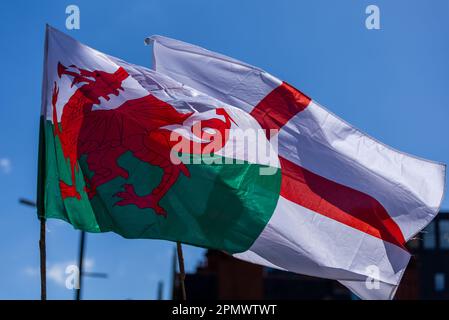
[(440, 281), (444, 234), (429, 239)]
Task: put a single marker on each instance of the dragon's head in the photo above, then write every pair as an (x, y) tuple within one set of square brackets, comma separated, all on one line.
[(97, 84)]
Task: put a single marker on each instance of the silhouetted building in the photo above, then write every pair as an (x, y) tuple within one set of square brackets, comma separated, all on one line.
[(428, 272), (221, 276)]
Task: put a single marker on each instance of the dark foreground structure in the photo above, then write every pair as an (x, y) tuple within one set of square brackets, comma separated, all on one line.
[(221, 277)]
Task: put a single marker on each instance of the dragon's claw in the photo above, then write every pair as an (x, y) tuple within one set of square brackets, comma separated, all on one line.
[(68, 191), (129, 197)]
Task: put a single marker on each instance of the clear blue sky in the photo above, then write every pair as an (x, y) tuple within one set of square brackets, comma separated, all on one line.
[(392, 83)]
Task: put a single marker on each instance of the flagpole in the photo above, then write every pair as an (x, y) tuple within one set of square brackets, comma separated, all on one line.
[(182, 273), (80, 265), (42, 251), (42, 246), (41, 176)]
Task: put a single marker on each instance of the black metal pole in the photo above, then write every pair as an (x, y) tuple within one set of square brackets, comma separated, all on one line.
[(160, 290), (42, 251), (182, 273), (80, 264)]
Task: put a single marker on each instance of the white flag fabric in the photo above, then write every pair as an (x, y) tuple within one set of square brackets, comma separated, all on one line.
[(348, 203)]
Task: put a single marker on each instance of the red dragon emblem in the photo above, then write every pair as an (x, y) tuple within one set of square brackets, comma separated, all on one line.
[(136, 126)]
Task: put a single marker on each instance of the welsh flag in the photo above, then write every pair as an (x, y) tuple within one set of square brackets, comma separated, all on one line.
[(132, 151), (210, 151)]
